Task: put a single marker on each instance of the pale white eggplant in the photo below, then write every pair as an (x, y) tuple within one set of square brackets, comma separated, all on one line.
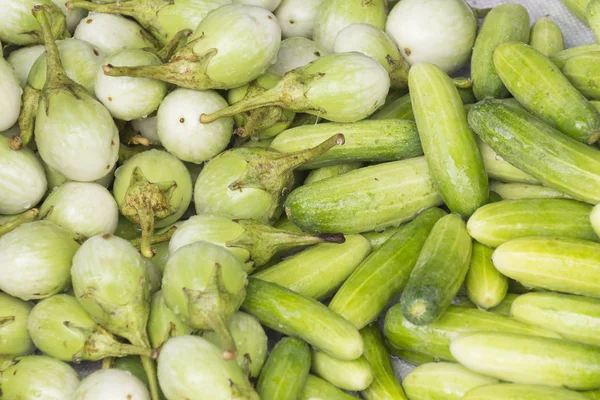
[(10, 95), (147, 127), (111, 384), (22, 60), (18, 26), (297, 17), (14, 336), (296, 52)]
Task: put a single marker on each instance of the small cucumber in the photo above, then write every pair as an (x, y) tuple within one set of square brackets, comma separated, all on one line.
[(318, 271), (518, 191), (411, 357), (546, 37), (486, 287), (497, 168), (400, 108), (494, 224), (347, 375), (454, 160), (366, 199), (439, 272), (505, 391), (318, 389), (333, 170), (541, 88), (593, 17), (295, 315), (378, 238), (381, 276), (573, 317), (528, 359), (556, 160), (561, 57), (595, 219), (385, 386), (583, 73), (504, 307), (442, 380), (578, 8), (284, 374), (560, 264), (504, 23), (365, 141)]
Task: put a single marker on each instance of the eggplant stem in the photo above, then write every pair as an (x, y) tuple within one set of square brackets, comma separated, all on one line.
[(156, 239), (271, 97), (107, 362), (56, 77), (167, 51), (291, 161), (17, 220)]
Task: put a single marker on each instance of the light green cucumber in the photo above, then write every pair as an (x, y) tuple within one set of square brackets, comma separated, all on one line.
[(494, 224), (592, 394), (318, 271), (464, 302), (378, 238), (400, 108), (318, 389), (333, 170), (546, 37), (439, 271), (505, 305), (385, 386), (530, 360), (498, 169), (411, 357), (442, 380), (560, 264), (578, 8), (593, 17), (434, 339), (505, 391), (365, 141), (295, 315), (583, 73), (561, 57), (595, 219), (382, 275), (494, 197), (504, 23), (452, 154), (518, 191), (366, 199), (284, 374), (553, 158), (542, 89), (347, 375), (486, 287)]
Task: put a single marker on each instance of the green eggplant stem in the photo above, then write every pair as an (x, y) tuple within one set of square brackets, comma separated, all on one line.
[(31, 100), (167, 51), (126, 152), (19, 219), (107, 362), (156, 239), (270, 97), (462, 83), (56, 77)]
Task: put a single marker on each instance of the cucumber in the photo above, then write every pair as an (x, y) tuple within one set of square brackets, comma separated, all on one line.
[(400, 108), (504, 23), (546, 37), (365, 141), (466, 95), (494, 197), (501, 170), (378, 238), (531, 360), (518, 191), (442, 380), (439, 271), (486, 287), (595, 219), (505, 391), (284, 374), (366, 199), (318, 271), (578, 8), (556, 160), (561, 57), (385, 386), (494, 224), (583, 73), (454, 161), (464, 302), (434, 340), (573, 317), (593, 17), (348, 375), (295, 315), (382, 276), (318, 389), (541, 88), (333, 170), (560, 264), (592, 394), (411, 357), (505, 305)]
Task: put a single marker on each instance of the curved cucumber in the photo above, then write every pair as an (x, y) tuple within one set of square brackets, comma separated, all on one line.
[(497, 168), (486, 287), (344, 374), (333, 170), (318, 389), (505, 391), (561, 57), (583, 73), (518, 191), (546, 37)]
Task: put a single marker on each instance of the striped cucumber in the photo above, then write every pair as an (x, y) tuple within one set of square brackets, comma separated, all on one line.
[(561, 57), (333, 170), (494, 224), (486, 287), (295, 315), (540, 87), (366, 141), (318, 389), (546, 37), (504, 23), (505, 305), (556, 160), (560, 264), (284, 374), (454, 160), (344, 374), (583, 73), (505, 391), (366, 199), (400, 108), (497, 168), (530, 360), (518, 191), (378, 238), (439, 271), (380, 277)]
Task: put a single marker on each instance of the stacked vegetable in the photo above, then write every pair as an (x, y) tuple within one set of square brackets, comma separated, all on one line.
[(179, 187)]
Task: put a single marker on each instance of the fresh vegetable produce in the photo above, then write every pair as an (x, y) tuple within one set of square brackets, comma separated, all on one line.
[(519, 191), (318, 389), (561, 57), (297, 17), (497, 168), (581, 71), (296, 52), (163, 323), (525, 392), (345, 374), (546, 37), (504, 307), (486, 287), (401, 108), (593, 17), (595, 220), (319, 174), (111, 384), (10, 91), (15, 340), (578, 8), (21, 28), (22, 60)]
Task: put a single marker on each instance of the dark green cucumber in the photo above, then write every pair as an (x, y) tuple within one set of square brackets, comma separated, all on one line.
[(546, 37), (583, 73), (486, 287), (318, 389)]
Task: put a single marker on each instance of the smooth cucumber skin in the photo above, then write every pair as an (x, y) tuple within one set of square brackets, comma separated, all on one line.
[(529, 360), (546, 37), (318, 389), (400, 108), (383, 274), (559, 264), (583, 73), (411, 357), (498, 169), (333, 170), (519, 191), (504, 391), (439, 271), (366, 199), (504, 307), (486, 287), (504, 23), (553, 158), (496, 223), (541, 88), (450, 148), (347, 375), (378, 238), (295, 315), (561, 57)]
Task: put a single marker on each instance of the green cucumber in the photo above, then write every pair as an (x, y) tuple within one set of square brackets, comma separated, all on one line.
[(504, 23), (378, 238), (284, 374), (400, 108), (318, 271), (464, 302), (556, 160), (411, 357), (583, 73), (439, 271), (385, 386), (573, 317), (561, 57), (434, 340), (366, 199), (295, 315), (578, 8), (382, 276), (501, 170), (486, 287), (560, 264), (546, 37), (592, 394), (518, 191), (595, 219), (541, 88), (333, 170), (593, 17), (365, 141), (454, 160), (505, 391), (442, 380), (505, 305), (494, 197), (530, 360), (318, 389), (494, 224), (347, 375)]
